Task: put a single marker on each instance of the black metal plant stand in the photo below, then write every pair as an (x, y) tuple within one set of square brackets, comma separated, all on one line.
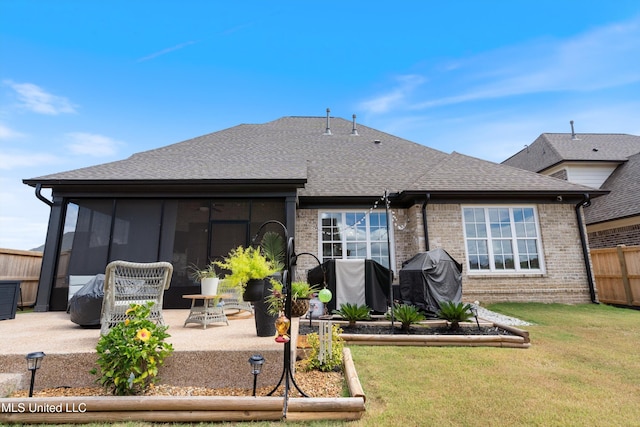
[(287, 374)]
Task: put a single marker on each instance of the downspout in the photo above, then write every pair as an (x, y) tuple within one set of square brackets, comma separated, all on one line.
[(424, 221), (41, 197), (585, 249)]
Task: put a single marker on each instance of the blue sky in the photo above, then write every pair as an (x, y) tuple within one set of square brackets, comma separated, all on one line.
[(88, 82)]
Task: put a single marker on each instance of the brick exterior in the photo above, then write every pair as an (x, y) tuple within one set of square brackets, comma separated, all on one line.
[(629, 236), (565, 279)]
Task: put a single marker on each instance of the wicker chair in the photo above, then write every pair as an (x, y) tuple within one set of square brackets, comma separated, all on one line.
[(232, 298), (127, 283)]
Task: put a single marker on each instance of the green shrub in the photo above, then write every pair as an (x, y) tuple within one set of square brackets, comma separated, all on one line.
[(353, 312), (455, 313), (130, 354), (333, 361), (406, 314), (245, 264)]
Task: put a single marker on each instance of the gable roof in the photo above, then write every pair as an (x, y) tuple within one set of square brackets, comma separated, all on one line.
[(550, 149), (624, 198), (297, 152)]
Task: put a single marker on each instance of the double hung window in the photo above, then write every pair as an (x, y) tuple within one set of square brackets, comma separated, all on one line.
[(354, 235), (502, 239)]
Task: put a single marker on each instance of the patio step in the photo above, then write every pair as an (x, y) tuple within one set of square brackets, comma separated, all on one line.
[(9, 383)]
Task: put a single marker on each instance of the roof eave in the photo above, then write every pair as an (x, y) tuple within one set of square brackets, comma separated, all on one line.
[(463, 196), (618, 161), (168, 186)]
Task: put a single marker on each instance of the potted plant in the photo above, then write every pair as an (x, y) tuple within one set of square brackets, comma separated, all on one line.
[(207, 277), (301, 292), (248, 268)]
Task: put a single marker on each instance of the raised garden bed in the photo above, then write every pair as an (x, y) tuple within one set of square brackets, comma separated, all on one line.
[(59, 410), (429, 333)]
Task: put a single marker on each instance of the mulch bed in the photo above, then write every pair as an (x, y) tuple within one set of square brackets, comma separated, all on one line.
[(377, 329)]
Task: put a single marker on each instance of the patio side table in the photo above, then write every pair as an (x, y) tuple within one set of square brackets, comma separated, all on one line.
[(208, 312)]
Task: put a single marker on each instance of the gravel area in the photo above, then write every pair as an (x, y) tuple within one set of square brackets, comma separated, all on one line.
[(313, 383), (492, 316)]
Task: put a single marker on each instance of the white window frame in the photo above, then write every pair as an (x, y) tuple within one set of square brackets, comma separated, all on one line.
[(343, 235), (514, 239)]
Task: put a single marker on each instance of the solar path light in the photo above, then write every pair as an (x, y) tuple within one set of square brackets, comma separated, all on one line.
[(34, 360), (256, 361)]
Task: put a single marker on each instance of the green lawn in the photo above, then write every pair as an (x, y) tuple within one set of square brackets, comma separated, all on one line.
[(583, 369)]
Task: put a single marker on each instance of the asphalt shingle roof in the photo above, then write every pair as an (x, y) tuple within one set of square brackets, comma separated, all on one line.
[(295, 148), (624, 197), (550, 149)]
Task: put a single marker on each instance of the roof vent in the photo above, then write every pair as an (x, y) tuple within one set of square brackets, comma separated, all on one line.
[(328, 131), (573, 133), (354, 131), (376, 141)]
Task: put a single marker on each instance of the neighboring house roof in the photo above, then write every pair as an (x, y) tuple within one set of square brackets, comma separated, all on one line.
[(549, 149), (295, 150), (624, 197)]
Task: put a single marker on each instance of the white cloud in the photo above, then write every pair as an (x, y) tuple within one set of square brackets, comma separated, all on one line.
[(606, 57), (92, 144), (21, 160), (167, 50), (37, 100), (23, 218), (603, 58), (396, 97), (8, 133)]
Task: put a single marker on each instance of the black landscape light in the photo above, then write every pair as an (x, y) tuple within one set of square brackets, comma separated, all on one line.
[(34, 360), (256, 361), (474, 311)]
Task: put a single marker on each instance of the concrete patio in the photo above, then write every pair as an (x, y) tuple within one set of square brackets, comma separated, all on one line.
[(213, 357)]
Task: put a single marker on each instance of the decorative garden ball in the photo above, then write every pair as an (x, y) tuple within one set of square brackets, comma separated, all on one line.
[(325, 295)]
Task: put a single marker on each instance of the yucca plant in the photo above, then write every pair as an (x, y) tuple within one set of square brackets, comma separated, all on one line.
[(406, 314), (455, 313), (353, 312)]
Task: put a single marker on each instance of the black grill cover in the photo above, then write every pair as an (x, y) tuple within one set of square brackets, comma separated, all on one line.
[(430, 278), (376, 283), (85, 306)]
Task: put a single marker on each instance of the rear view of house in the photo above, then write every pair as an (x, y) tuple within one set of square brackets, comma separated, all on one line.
[(338, 187)]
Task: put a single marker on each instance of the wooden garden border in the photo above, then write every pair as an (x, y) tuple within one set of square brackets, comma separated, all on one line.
[(170, 409), (519, 340)]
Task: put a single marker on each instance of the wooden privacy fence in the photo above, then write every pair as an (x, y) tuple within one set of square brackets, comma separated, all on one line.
[(23, 267), (617, 274)]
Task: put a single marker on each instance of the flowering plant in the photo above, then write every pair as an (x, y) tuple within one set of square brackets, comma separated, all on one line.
[(130, 354)]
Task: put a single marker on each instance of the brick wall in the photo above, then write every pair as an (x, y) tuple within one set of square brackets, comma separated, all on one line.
[(564, 281), (629, 236), (306, 241)]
